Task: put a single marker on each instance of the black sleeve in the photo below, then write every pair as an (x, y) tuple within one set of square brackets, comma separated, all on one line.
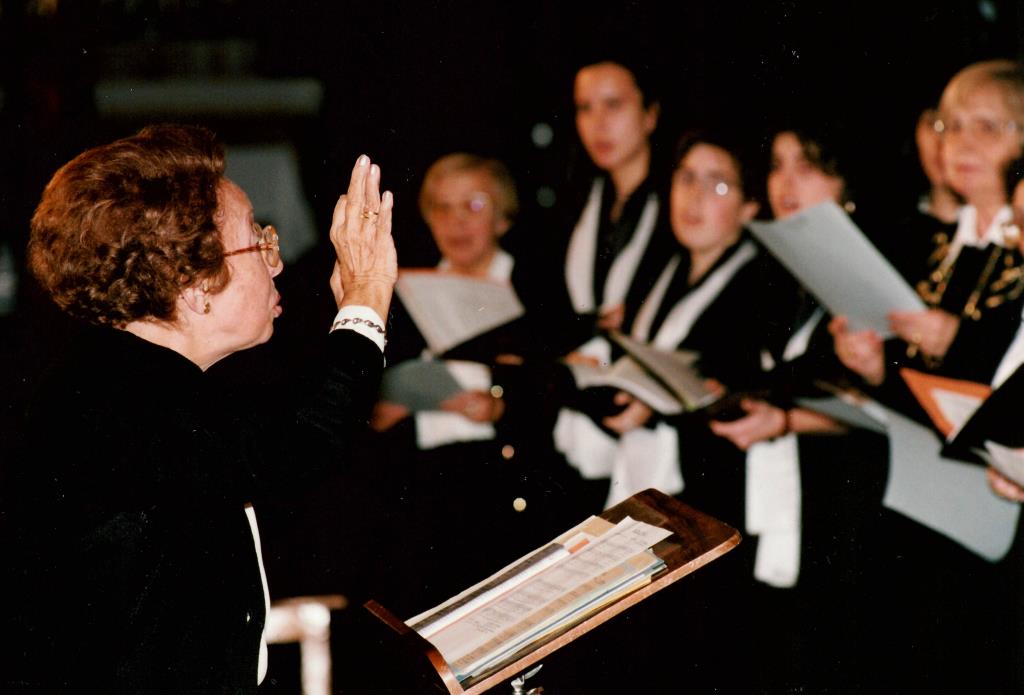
[(317, 437)]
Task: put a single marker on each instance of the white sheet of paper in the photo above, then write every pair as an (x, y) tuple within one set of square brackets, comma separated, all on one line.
[(947, 496), (531, 603), (1009, 462), (418, 384), (675, 369), (844, 410), (584, 599), (449, 309), (625, 374), (582, 533), (833, 259), (956, 407)]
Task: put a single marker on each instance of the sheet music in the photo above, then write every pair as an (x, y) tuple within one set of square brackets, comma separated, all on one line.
[(844, 410), (573, 539), (833, 259), (602, 566), (450, 309), (627, 375), (947, 496), (675, 369), (418, 384), (956, 407)]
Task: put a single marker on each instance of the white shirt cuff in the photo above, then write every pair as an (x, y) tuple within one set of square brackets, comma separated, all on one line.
[(363, 320)]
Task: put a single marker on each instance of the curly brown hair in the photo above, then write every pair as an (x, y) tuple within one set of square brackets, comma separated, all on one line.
[(123, 228)]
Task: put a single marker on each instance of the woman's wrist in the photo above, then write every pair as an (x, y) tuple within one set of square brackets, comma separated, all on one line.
[(786, 425)]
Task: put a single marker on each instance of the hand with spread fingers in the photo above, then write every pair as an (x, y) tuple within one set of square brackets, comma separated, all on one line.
[(367, 264)]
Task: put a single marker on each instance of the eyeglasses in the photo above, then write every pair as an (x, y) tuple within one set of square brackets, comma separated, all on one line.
[(983, 129), (267, 245), (708, 183), (476, 204)]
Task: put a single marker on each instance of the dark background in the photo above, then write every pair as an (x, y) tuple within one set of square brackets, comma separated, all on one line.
[(408, 82)]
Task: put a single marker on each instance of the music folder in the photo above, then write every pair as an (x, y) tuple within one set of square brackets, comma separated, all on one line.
[(949, 403), (997, 419)]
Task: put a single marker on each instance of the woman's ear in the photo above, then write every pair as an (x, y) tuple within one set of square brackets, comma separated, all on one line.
[(197, 298), (651, 114), (748, 210)]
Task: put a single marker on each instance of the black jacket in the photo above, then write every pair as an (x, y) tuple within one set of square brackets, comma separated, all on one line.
[(127, 545)]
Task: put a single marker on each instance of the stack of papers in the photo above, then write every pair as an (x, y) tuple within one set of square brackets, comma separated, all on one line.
[(544, 593)]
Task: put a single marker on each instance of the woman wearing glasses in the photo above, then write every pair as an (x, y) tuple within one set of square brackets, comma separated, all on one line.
[(715, 296), (795, 491), (972, 282), (479, 465), (131, 541), (972, 276)]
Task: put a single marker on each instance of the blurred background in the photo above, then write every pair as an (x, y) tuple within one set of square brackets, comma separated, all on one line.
[(298, 89)]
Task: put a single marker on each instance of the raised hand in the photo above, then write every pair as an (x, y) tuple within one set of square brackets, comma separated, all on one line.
[(367, 264)]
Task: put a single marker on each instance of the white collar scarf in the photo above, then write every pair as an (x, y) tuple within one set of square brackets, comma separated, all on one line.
[(499, 270), (679, 321), (582, 252)]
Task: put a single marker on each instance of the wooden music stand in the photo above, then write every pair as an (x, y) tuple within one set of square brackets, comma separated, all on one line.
[(696, 540)]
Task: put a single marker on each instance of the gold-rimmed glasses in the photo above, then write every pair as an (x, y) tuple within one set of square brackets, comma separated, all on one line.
[(267, 244)]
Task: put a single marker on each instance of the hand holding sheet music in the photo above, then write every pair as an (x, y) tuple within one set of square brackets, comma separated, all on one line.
[(833, 259), (1009, 462), (627, 375), (418, 384)]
